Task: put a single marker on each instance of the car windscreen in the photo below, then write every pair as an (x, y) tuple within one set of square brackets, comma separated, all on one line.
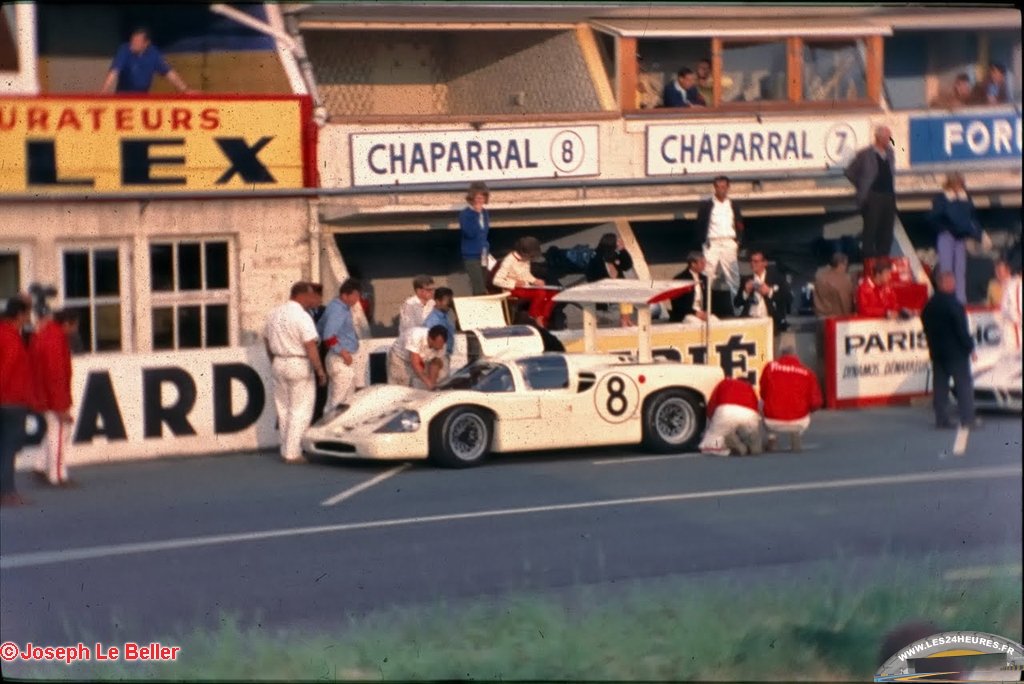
[(482, 376)]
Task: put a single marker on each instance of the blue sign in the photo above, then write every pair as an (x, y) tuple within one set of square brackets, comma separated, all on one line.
[(964, 138)]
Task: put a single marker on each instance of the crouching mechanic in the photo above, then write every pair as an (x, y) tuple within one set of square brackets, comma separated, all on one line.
[(790, 393), (734, 424), (416, 359)]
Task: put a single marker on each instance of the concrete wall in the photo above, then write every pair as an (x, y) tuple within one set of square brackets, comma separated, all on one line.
[(269, 238), (488, 71)]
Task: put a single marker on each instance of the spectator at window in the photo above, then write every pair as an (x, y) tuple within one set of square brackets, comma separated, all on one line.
[(833, 288), (957, 96), (648, 86), (704, 84), (611, 260), (136, 62), (682, 91), (996, 88)]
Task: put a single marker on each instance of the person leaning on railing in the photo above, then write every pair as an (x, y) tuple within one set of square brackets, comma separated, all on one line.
[(136, 62)]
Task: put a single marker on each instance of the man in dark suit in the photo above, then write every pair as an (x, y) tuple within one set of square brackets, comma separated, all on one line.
[(690, 307), (950, 346), (873, 173), (764, 294)]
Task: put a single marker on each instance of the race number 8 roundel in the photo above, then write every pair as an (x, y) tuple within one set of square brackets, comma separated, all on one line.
[(616, 398)]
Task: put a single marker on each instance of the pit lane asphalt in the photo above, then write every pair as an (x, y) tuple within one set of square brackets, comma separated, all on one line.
[(304, 566)]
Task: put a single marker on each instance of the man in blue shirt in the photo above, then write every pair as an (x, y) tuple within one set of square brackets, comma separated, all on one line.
[(338, 334), (135, 64), (443, 297), (683, 91)]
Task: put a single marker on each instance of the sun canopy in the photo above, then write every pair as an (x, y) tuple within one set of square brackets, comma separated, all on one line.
[(636, 292)]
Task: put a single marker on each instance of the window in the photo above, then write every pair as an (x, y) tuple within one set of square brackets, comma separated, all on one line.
[(10, 274), (545, 372), (91, 283), (191, 284), (833, 71), (481, 376), (754, 72)]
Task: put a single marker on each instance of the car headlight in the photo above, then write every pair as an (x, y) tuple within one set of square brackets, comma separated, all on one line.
[(406, 421)]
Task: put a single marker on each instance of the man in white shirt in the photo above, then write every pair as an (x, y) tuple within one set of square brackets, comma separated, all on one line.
[(291, 341), (416, 308), (417, 357), (720, 225)]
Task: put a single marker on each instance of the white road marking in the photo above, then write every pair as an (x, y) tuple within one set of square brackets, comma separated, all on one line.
[(641, 459), (37, 558), (982, 572), (352, 491), (666, 457)]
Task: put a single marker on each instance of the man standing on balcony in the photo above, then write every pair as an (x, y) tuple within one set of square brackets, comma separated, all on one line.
[(720, 225), (873, 173), (135, 64)]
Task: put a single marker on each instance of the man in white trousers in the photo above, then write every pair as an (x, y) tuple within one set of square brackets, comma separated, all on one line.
[(338, 332), (720, 225), (50, 355), (291, 342)]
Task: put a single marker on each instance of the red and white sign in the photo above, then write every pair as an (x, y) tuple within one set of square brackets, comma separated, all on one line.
[(871, 361)]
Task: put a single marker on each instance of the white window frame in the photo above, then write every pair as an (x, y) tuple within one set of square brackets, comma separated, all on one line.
[(124, 297), (26, 264), (177, 298)]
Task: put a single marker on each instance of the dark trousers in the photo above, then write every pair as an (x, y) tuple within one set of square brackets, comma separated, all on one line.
[(879, 214), (475, 271), (12, 439), (963, 383)]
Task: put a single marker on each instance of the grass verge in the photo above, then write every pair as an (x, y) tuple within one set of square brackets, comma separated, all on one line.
[(822, 627)]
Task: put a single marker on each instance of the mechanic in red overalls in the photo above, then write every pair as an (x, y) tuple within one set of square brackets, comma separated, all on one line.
[(50, 354), (790, 393), (17, 395), (734, 424)]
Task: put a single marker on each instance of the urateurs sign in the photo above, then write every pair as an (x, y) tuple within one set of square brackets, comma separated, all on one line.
[(141, 144)]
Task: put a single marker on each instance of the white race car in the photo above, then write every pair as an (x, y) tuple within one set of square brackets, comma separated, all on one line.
[(533, 401)]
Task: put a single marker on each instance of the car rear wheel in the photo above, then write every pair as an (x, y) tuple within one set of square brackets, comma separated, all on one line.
[(673, 421), (461, 438)]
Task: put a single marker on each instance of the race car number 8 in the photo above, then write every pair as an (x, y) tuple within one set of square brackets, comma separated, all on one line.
[(617, 403), (616, 399)]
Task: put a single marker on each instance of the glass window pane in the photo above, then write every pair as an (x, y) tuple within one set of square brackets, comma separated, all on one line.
[(161, 267), (753, 72), (545, 372), (107, 274), (190, 275), (217, 325), (76, 275), (189, 328), (10, 275), (833, 71), (84, 341), (163, 328), (217, 266), (108, 327)]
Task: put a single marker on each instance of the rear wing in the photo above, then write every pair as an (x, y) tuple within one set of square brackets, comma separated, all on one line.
[(642, 294)]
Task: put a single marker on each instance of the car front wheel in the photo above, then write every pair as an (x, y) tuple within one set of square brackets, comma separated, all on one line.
[(461, 438), (673, 421)]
